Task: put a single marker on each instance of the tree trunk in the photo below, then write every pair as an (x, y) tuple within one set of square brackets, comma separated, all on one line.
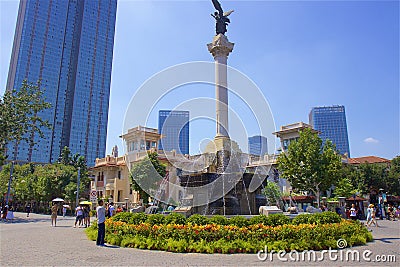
[(317, 194)]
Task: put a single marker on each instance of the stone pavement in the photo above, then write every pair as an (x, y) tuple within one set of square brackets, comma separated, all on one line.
[(34, 242)]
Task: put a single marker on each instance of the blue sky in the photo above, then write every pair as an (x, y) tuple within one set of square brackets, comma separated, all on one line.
[(300, 54)]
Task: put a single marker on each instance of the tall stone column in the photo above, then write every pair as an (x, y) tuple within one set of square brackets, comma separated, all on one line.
[(220, 49)]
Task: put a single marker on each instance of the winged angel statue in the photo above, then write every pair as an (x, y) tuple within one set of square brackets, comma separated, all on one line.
[(221, 18)]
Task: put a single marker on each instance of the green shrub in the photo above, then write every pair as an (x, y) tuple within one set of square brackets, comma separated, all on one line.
[(122, 217), (277, 219), (113, 239), (219, 219), (301, 219), (260, 231), (133, 241), (198, 219), (239, 221), (175, 218), (138, 218), (153, 219), (91, 232), (326, 217), (258, 219), (317, 218)]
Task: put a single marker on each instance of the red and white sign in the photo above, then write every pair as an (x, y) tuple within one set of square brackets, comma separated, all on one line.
[(93, 196)]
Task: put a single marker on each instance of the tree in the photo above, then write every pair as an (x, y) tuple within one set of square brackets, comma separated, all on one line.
[(53, 179), (394, 176), (20, 115), (273, 193), (76, 161), (344, 188), (309, 164), (146, 175)]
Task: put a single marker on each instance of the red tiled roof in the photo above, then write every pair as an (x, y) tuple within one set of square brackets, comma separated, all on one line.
[(357, 198), (300, 198), (368, 159)]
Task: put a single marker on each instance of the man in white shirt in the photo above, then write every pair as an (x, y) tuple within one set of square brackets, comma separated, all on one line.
[(101, 218)]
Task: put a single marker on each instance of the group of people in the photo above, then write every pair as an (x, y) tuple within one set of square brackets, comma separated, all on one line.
[(391, 213), (111, 210), (7, 213), (82, 213)]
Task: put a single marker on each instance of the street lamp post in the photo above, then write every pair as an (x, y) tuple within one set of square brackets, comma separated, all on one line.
[(78, 185)]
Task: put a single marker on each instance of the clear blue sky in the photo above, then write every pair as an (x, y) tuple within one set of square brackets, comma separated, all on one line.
[(300, 54)]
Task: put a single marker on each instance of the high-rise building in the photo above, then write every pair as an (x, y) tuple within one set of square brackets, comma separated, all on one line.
[(68, 46), (331, 123), (258, 145), (173, 125)]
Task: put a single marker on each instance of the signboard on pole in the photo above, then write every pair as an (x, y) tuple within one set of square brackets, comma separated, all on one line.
[(93, 196)]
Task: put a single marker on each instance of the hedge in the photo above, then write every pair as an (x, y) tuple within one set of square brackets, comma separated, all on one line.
[(200, 234)]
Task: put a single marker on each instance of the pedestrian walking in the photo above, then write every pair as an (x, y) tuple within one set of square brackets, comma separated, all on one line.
[(10, 214), (371, 216), (374, 217), (79, 215), (85, 216), (353, 212), (4, 212), (54, 210), (101, 218), (28, 209), (111, 209), (88, 217), (64, 211)]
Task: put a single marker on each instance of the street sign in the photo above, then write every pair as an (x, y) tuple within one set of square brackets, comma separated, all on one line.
[(93, 196)]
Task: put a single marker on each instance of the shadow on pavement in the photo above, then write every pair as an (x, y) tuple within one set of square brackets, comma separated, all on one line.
[(110, 246), (27, 220), (386, 239), (35, 218)]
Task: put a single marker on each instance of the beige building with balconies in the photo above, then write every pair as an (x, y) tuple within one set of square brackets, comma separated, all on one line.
[(291, 132), (112, 181)]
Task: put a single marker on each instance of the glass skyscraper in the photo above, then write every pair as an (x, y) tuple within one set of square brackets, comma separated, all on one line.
[(68, 46), (331, 123), (173, 125), (258, 145)]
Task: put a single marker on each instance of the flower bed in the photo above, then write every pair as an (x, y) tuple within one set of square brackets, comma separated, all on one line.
[(251, 236)]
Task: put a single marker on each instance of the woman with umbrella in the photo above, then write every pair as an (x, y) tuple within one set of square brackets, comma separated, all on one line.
[(54, 210)]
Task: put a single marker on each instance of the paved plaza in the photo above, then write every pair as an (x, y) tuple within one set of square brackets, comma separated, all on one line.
[(34, 242)]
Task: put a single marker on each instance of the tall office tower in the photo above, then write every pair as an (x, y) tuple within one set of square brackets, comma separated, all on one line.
[(68, 46), (173, 125), (258, 145), (331, 123)]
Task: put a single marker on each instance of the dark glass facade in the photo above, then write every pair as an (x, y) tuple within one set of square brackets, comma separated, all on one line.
[(331, 123), (173, 125), (68, 46), (258, 145)]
